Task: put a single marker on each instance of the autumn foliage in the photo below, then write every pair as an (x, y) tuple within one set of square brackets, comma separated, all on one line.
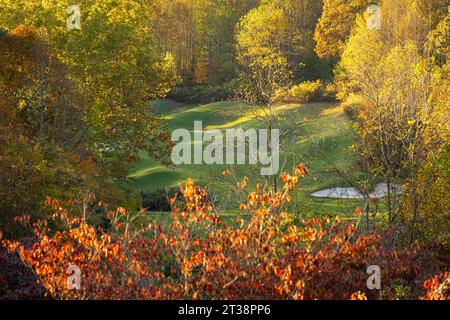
[(438, 287), (262, 255)]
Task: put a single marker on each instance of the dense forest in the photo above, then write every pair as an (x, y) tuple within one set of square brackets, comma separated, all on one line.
[(91, 92)]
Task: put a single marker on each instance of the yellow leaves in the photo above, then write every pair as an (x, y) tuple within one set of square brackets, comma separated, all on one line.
[(253, 198), (292, 235), (243, 184), (262, 213), (284, 215), (189, 190), (271, 233)]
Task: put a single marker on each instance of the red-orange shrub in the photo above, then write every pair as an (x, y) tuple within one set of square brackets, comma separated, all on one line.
[(263, 255)]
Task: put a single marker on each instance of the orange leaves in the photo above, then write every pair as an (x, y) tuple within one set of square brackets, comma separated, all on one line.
[(115, 249), (358, 296), (292, 235), (438, 287), (226, 172), (263, 255), (173, 242), (172, 200), (289, 182), (351, 229), (431, 283), (188, 190), (358, 211), (121, 211), (23, 220), (301, 170)]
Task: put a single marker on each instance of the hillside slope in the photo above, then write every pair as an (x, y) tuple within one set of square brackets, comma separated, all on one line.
[(316, 134)]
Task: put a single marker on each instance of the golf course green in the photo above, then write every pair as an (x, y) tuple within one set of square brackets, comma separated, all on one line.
[(319, 135)]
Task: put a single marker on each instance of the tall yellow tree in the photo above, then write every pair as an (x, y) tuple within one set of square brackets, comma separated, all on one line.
[(403, 119), (335, 24)]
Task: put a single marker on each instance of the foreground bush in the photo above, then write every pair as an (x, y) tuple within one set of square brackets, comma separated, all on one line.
[(199, 257), (307, 91)]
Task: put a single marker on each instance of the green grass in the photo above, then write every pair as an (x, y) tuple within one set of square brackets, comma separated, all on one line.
[(316, 134)]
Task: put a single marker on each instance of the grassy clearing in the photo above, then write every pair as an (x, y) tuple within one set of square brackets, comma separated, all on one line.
[(316, 134)]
